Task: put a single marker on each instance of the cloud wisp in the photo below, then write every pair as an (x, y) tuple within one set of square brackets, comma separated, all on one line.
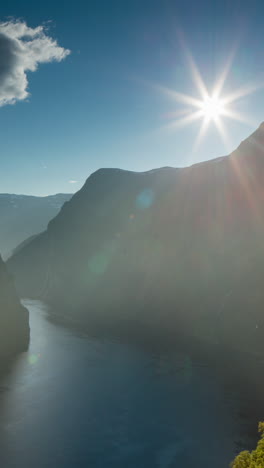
[(22, 49)]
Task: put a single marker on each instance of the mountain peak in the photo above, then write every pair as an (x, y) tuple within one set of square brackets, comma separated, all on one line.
[(252, 146)]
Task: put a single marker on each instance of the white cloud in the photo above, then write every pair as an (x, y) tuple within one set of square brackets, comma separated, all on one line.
[(22, 49), (73, 181)]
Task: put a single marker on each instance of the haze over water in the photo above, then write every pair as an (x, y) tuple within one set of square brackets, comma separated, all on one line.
[(75, 400)]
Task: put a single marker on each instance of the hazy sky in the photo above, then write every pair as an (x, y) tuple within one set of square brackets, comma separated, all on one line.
[(100, 105)]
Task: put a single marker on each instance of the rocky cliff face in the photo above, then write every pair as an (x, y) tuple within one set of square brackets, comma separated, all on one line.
[(175, 248), (14, 325)]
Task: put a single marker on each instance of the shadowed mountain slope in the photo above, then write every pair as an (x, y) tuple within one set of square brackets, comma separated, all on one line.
[(180, 249), (22, 216), (14, 325)]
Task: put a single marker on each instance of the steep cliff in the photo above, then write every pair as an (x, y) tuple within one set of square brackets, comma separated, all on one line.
[(175, 248), (14, 324)]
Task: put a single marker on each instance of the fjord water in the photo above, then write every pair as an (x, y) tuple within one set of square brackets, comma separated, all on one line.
[(79, 401)]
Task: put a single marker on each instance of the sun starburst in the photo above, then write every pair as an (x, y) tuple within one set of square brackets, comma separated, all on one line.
[(209, 107), (212, 107)]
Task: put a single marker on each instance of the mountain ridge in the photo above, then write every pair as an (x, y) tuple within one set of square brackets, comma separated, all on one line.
[(179, 248), (22, 216)]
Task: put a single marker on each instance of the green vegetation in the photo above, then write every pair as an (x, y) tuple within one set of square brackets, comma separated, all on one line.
[(254, 459)]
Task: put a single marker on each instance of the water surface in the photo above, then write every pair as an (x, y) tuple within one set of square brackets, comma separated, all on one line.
[(80, 401)]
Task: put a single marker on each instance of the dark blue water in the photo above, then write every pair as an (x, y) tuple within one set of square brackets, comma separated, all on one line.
[(76, 401)]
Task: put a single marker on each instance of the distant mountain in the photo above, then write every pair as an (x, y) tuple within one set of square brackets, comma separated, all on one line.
[(22, 216), (179, 249), (14, 323)]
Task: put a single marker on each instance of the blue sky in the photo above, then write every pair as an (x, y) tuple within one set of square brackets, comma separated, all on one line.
[(100, 107)]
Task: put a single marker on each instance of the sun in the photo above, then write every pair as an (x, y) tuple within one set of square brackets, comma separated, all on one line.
[(212, 108)]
